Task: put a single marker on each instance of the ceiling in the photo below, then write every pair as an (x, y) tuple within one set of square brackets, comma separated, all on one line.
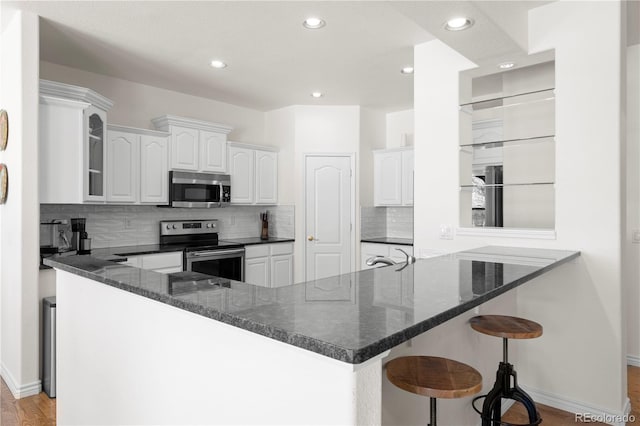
[(272, 60)]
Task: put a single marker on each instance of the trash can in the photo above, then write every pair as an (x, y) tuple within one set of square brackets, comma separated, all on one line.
[(49, 346)]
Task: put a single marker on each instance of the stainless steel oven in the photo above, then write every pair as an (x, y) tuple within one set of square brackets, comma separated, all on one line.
[(202, 250), (187, 189), (219, 262)]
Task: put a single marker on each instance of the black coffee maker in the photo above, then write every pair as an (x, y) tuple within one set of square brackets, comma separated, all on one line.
[(80, 240)]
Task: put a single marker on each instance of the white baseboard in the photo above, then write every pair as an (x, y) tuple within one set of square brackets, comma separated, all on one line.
[(562, 403), (19, 391), (633, 360)]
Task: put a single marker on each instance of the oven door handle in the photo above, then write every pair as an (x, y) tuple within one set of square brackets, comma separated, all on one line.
[(216, 253)]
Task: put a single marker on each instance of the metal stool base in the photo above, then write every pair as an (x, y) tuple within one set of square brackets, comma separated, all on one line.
[(492, 407)]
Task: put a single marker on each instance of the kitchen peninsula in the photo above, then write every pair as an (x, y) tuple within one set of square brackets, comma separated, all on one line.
[(135, 349)]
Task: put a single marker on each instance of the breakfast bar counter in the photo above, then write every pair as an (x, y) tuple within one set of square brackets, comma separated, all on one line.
[(287, 352)]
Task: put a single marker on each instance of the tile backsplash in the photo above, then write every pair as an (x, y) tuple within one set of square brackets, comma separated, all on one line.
[(393, 222), (111, 226)]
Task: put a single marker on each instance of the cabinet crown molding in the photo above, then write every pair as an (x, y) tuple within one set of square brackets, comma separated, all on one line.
[(136, 130), (396, 149), (253, 146), (76, 93), (164, 122)]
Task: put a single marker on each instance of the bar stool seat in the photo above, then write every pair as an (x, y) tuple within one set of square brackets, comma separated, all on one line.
[(506, 327), (506, 384), (434, 377)]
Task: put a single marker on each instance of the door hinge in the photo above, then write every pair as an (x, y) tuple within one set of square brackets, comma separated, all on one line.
[(350, 172)]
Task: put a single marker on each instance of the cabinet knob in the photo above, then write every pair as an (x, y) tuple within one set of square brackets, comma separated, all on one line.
[(310, 238)]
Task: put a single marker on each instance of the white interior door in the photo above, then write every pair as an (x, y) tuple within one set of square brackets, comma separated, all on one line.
[(328, 216)]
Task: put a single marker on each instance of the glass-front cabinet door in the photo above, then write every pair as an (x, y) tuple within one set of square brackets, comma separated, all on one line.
[(95, 154)]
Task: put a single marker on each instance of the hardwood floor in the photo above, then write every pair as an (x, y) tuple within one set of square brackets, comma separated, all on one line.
[(555, 417), (39, 410)]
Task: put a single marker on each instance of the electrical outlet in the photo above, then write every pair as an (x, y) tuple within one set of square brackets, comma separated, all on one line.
[(635, 237), (127, 223), (446, 232)]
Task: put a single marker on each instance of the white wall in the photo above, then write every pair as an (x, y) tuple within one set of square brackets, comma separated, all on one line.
[(19, 223), (580, 306), (631, 251), (372, 136), (136, 104), (300, 130), (400, 130)]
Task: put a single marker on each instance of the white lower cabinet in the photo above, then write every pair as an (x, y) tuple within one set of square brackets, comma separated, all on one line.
[(368, 250), (269, 265), (165, 263), (256, 271)]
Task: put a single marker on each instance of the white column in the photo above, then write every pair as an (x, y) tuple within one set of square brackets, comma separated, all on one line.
[(19, 217)]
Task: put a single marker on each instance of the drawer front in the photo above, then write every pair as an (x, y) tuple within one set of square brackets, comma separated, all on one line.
[(162, 260), (257, 250), (281, 248), (373, 249)]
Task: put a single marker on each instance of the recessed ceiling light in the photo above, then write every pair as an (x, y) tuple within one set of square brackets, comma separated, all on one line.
[(313, 23), (316, 94), (506, 65), (216, 63), (407, 70), (458, 24)]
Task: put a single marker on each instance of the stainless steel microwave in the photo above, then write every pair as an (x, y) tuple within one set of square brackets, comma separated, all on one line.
[(199, 190)]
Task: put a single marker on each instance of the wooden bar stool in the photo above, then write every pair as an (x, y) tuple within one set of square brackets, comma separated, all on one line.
[(434, 377), (508, 328)]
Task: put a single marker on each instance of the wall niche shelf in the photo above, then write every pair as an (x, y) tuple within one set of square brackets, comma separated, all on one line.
[(549, 94), (507, 153)]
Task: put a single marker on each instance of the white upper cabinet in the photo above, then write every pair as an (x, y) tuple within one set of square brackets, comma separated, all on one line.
[(242, 169), (138, 166), (254, 174), (266, 177), (195, 145), (154, 167), (184, 148), (393, 177), (407, 177), (213, 152), (72, 144), (123, 166)]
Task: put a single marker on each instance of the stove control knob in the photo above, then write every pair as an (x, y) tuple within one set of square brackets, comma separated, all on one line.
[(174, 227), (168, 226), (208, 225)]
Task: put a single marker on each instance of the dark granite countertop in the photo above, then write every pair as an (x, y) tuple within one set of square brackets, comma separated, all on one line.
[(388, 240), (166, 248), (351, 317), (257, 240)]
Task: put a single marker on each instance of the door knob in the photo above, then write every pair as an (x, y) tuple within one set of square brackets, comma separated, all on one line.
[(310, 238)]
